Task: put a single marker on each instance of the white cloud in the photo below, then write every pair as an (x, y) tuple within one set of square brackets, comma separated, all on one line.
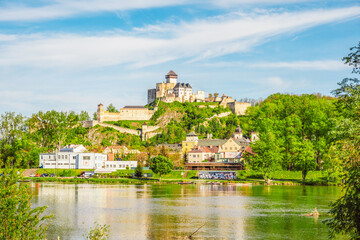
[(190, 41), (329, 65), (67, 8)]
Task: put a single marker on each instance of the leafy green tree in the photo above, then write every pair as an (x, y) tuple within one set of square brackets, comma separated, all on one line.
[(84, 116), (16, 143), (346, 210), (305, 158), (139, 170), (19, 220), (268, 153), (111, 108), (94, 116), (161, 165), (52, 127)]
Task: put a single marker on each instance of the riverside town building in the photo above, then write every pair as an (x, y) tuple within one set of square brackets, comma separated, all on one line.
[(76, 157)]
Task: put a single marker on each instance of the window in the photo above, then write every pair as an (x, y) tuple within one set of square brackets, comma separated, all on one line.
[(74, 157), (86, 157), (66, 164), (65, 156)]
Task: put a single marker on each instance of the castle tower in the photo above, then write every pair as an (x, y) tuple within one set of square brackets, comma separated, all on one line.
[(238, 133), (171, 77), (100, 112)]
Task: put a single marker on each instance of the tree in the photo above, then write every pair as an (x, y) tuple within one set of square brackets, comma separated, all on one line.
[(161, 165), (346, 210), (94, 116), (138, 170), (305, 158), (84, 116), (268, 151), (111, 108), (53, 127), (18, 219)]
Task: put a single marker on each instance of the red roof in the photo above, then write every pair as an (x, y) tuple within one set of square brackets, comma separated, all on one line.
[(171, 73), (249, 150)]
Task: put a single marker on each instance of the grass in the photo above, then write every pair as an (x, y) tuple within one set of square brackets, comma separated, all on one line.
[(124, 176)]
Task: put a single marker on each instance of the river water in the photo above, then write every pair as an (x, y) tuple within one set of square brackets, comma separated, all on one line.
[(173, 211)]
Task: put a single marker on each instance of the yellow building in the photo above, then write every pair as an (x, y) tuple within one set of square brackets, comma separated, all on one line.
[(191, 141)]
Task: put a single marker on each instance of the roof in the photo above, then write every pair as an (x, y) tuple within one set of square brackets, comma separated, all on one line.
[(219, 142), (140, 107), (191, 134), (171, 73), (211, 142), (200, 150), (249, 150), (214, 149), (238, 129), (182, 85)]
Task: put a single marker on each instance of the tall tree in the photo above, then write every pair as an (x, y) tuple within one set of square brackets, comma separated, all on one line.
[(19, 220), (268, 152), (52, 127), (161, 165), (305, 157), (346, 210)]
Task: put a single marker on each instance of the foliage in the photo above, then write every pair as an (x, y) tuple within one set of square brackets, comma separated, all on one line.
[(346, 210), (18, 219), (52, 127), (111, 108), (98, 232), (161, 165), (138, 171), (305, 158), (295, 120), (84, 116), (268, 152)]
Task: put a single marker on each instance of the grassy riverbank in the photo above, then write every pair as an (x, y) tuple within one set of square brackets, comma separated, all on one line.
[(179, 176)]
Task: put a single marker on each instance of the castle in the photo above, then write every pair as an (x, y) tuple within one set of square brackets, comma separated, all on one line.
[(171, 91)]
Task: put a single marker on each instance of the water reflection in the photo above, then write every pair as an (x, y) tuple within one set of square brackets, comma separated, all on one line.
[(175, 211)]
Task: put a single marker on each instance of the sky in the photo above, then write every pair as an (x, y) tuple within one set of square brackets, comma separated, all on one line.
[(71, 55)]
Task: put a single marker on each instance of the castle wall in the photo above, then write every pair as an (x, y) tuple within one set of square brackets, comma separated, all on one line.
[(124, 114), (238, 108), (151, 95), (135, 114)]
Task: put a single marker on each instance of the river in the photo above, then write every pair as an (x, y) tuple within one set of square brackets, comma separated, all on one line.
[(171, 211)]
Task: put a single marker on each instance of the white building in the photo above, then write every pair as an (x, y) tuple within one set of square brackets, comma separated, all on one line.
[(183, 91), (69, 159)]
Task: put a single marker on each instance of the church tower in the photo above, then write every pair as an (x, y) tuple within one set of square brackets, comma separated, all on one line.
[(171, 77), (238, 133)]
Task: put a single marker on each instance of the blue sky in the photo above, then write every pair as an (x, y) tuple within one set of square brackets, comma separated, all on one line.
[(73, 55)]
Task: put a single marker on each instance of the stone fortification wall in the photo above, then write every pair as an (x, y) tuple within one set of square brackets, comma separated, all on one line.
[(127, 113), (120, 129), (221, 115), (239, 108), (145, 133), (135, 114)]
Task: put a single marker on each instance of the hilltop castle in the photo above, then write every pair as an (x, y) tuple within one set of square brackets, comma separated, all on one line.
[(171, 91)]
